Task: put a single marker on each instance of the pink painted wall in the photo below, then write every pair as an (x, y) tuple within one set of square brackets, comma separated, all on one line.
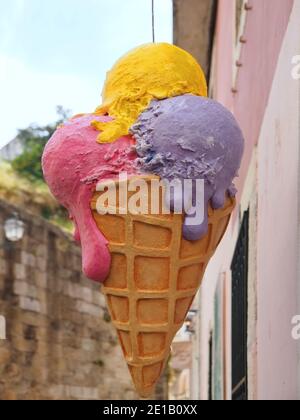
[(277, 228), (265, 28), (266, 107)]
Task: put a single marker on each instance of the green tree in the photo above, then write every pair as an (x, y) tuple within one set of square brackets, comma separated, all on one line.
[(34, 138)]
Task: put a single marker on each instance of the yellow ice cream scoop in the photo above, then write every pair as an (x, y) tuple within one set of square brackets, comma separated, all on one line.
[(152, 71)]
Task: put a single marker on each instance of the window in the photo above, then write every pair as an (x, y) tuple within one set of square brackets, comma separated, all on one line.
[(240, 314)]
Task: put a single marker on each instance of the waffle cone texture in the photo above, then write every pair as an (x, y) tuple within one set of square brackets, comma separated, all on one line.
[(155, 275)]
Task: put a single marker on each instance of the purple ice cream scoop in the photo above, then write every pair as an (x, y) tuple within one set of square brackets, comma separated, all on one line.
[(189, 138)]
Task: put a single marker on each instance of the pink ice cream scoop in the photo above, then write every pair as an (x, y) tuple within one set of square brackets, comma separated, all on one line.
[(73, 162)]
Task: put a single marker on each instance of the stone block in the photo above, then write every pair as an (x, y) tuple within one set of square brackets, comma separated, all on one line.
[(29, 304), (86, 294), (5, 355), (30, 318), (82, 393), (42, 251), (3, 267), (99, 299), (88, 345), (41, 264), (57, 392), (20, 271), (9, 395), (76, 291), (89, 309), (28, 259), (22, 345), (24, 289), (41, 279)]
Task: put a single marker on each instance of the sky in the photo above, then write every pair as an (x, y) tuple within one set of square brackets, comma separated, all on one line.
[(58, 52)]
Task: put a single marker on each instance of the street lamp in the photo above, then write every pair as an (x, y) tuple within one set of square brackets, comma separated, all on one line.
[(14, 228)]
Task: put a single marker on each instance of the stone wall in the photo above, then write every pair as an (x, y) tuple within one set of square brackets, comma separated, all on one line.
[(60, 341)]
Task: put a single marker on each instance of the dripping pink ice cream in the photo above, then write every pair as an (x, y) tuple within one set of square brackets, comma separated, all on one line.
[(73, 163)]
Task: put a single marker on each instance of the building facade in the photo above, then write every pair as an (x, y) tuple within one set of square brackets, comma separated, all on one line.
[(243, 342)]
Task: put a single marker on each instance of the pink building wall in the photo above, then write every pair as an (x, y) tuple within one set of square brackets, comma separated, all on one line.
[(266, 105), (277, 234), (265, 28)]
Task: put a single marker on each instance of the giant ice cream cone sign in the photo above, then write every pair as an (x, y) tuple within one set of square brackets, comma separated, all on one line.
[(153, 126), (155, 275)]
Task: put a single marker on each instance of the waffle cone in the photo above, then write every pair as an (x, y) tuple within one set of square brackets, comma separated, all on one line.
[(155, 275)]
